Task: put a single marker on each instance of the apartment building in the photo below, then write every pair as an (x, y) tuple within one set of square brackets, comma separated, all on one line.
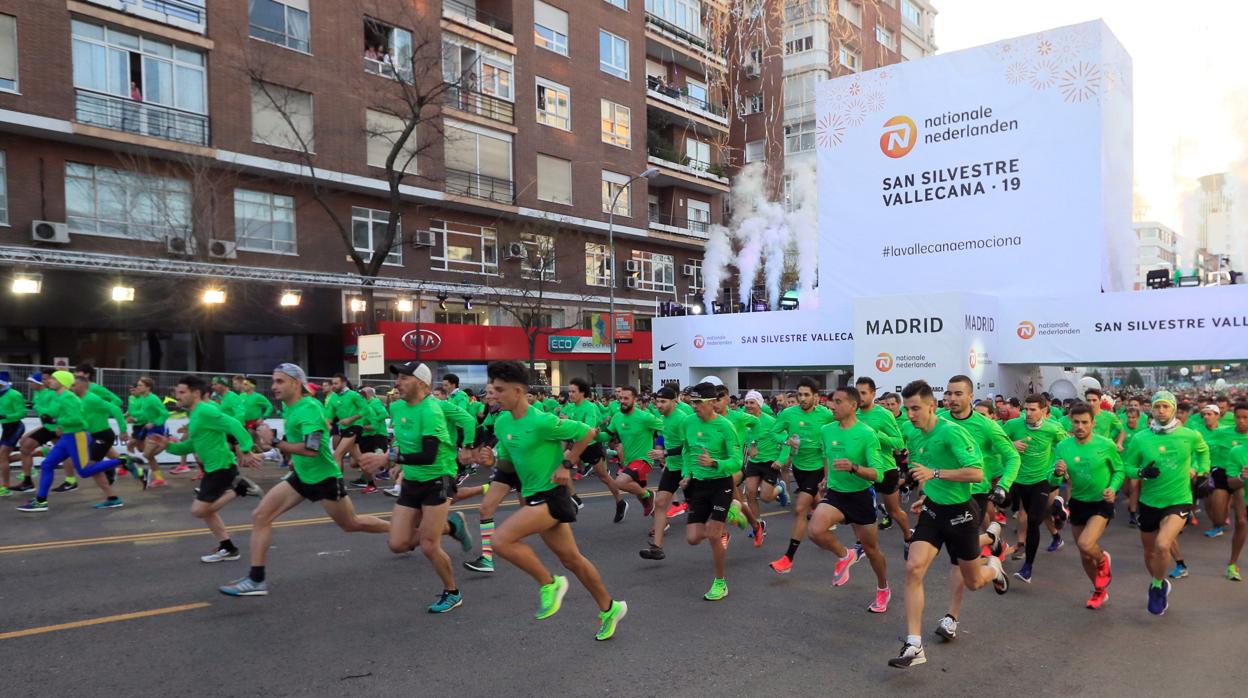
[(1158, 248), (157, 150)]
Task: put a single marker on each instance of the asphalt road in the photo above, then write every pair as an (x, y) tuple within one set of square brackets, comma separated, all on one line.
[(346, 617)]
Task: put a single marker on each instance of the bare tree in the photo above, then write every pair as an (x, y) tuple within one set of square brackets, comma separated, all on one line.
[(407, 126), (530, 283)]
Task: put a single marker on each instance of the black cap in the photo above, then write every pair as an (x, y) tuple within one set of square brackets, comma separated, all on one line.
[(704, 391), (666, 392)]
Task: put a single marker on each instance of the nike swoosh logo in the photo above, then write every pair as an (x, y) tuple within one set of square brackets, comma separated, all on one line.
[(665, 347)]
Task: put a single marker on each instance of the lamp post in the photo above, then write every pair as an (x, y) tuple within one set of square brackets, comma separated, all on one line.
[(647, 174)]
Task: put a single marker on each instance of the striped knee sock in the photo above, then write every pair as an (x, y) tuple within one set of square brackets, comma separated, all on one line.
[(487, 537)]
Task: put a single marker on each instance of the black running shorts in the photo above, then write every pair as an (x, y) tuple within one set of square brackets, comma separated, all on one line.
[(558, 501), (858, 507), (213, 485), (1081, 511), (764, 470), (330, 489), (955, 526), (417, 494), (708, 500)]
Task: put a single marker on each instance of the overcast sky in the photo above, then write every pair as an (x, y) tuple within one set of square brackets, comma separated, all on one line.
[(1189, 59)]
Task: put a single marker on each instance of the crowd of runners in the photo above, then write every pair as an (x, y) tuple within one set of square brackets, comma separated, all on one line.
[(948, 473)]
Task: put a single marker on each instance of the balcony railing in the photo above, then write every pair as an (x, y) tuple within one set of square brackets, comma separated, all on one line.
[(142, 118), (695, 226), (480, 103), (386, 70), (190, 14), (655, 84), (453, 9), (806, 9), (479, 186), (682, 34)]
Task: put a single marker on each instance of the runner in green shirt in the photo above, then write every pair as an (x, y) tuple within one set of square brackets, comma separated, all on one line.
[(1226, 495), (855, 462), (739, 514), (669, 451), (454, 395), (1236, 465), (635, 430), (581, 408), (531, 442), (713, 454), (1164, 459), (762, 470), (43, 402), (1105, 423), (426, 453), (1135, 422), (1034, 437), (1092, 464), (349, 410), (208, 434), (87, 373), (799, 432), (945, 462), (314, 477), (230, 403), (891, 442), (148, 413), (12, 412)]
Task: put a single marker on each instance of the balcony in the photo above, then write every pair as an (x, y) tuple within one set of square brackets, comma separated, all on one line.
[(805, 10), (670, 96), (673, 224), (479, 103), (140, 118), (386, 69), (669, 43), (191, 15), (479, 186), (478, 19), (666, 27)]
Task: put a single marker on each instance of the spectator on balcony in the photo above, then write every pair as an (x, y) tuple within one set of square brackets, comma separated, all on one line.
[(370, 53), (135, 93)]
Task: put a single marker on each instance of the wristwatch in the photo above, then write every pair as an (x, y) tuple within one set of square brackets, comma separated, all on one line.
[(935, 474)]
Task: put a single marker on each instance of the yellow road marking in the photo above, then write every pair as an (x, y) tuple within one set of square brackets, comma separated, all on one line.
[(187, 532), (100, 621)]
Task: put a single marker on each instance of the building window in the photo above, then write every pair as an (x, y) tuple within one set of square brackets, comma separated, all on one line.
[(116, 203), (550, 27), (799, 39), (910, 14), (387, 50), (799, 94), (540, 262), (4, 189), (281, 117), (799, 137), (756, 57), (368, 234), (699, 215), (133, 67), (684, 14), (910, 50), (655, 272), (850, 58), (281, 22), (622, 4), (850, 10), (698, 153), (554, 179), (788, 192), (617, 124), (755, 151), (885, 37), (756, 103), (478, 162), (457, 317), (264, 222), (612, 54), (612, 184), (597, 264), (554, 104), (477, 68), (695, 281), (460, 247), (8, 53), (382, 132)]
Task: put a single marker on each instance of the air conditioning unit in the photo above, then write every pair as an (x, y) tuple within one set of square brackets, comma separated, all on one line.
[(180, 244), (753, 70), (517, 250), (630, 281), (222, 249), (632, 266), (47, 231), (687, 270), (422, 238)]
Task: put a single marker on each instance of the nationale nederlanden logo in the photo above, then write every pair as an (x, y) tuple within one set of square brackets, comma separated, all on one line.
[(884, 362), (699, 341), (1026, 329), (974, 359), (900, 135)]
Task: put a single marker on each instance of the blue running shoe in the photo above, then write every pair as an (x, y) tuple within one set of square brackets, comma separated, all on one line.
[(447, 602), (111, 503), (1056, 545), (459, 531), (1024, 573), (1159, 598), (1179, 571), (1214, 532), (245, 587), (782, 494)]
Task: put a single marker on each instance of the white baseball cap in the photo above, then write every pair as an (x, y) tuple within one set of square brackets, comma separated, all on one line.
[(755, 396)]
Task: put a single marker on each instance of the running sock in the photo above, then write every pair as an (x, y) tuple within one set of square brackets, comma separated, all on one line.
[(1156, 583), (487, 539), (915, 640), (1180, 563), (645, 494), (452, 591), (793, 543), (257, 573), (228, 545), (71, 480)]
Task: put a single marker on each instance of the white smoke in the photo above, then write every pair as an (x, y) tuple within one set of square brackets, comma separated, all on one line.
[(715, 264), (802, 220)]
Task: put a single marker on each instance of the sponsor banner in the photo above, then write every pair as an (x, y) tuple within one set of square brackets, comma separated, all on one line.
[(1176, 324), (446, 342), (1003, 157), (899, 339), (780, 339), (599, 322), (371, 353)]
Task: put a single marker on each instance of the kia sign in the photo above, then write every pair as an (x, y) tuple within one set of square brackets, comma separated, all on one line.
[(422, 341), (1005, 156)]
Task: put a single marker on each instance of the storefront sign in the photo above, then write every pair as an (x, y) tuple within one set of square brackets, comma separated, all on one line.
[(446, 342)]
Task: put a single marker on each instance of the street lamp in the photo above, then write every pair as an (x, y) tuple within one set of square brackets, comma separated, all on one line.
[(649, 173)]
